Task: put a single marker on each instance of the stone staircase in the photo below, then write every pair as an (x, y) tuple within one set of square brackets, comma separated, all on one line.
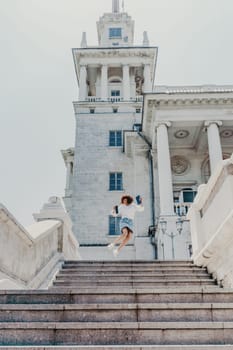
[(120, 305)]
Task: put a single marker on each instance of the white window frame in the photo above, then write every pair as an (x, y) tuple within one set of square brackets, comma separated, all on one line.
[(116, 187), (115, 138), (115, 33)]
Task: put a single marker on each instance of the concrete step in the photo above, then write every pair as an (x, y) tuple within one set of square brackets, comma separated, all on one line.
[(116, 333), (131, 277), (133, 266), (124, 289), (115, 269), (146, 312), (209, 294), (100, 272), (129, 266), (131, 262), (134, 283), (120, 305), (123, 347), (161, 272)]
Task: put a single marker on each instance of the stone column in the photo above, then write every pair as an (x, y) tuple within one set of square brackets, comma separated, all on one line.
[(68, 175), (164, 170), (147, 79), (104, 82), (214, 143), (126, 82), (83, 83)]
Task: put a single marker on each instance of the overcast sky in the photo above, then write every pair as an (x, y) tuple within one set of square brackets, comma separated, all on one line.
[(38, 82)]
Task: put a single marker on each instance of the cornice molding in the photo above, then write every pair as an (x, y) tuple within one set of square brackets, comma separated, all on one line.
[(190, 102)]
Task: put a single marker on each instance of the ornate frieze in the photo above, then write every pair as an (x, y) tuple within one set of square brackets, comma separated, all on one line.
[(96, 52), (189, 102)]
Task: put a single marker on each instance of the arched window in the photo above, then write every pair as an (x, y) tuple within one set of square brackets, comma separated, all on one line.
[(115, 80), (115, 87), (205, 168)]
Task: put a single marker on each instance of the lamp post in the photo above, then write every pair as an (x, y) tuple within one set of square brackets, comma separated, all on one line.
[(179, 227)]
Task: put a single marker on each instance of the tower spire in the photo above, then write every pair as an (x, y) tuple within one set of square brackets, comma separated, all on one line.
[(115, 6)]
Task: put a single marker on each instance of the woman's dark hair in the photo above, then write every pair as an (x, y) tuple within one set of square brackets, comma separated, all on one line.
[(129, 199)]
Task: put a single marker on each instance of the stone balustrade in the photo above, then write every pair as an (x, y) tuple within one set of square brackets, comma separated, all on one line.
[(30, 257), (181, 208), (211, 220), (95, 99)]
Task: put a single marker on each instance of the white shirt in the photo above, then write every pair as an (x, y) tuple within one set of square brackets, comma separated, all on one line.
[(128, 211)]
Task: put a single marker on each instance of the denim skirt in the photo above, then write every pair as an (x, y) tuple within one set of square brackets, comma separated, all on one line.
[(126, 222)]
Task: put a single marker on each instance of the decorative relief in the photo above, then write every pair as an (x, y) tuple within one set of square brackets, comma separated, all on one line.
[(226, 133), (115, 53), (179, 165), (139, 81), (181, 134)]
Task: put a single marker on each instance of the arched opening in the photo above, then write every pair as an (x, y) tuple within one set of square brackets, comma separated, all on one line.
[(205, 168), (115, 87)]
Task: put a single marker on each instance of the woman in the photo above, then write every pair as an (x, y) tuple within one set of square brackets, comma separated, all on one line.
[(127, 211)]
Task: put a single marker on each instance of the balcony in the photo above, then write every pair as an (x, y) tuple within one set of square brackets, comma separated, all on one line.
[(138, 99), (93, 99), (181, 209)]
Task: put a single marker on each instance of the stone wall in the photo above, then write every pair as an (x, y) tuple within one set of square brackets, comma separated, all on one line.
[(29, 257), (139, 248), (94, 160)]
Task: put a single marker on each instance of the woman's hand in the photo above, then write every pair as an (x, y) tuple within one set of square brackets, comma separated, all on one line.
[(114, 211), (140, 200)]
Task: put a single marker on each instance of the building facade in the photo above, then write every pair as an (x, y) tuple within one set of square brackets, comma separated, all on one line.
[(133, 137), (190, 132)]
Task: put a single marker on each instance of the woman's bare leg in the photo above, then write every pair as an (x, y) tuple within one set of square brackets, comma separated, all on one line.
[(127, 238), (121, 237)]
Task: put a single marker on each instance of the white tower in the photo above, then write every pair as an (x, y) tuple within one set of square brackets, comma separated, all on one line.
[(112, 78)]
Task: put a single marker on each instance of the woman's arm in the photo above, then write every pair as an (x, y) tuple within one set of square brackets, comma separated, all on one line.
[(139, 207), (114, 211)]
